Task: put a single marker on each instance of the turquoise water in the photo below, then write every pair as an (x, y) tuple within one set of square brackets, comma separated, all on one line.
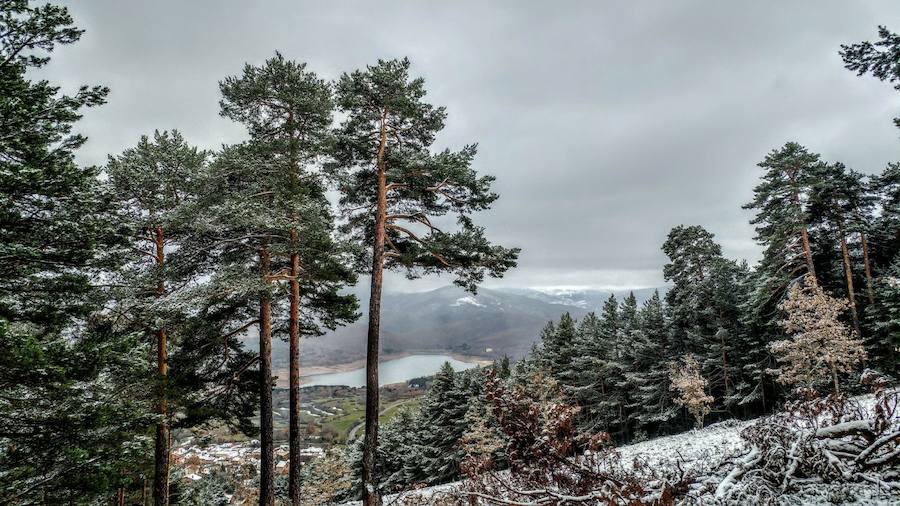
[(389, 371)]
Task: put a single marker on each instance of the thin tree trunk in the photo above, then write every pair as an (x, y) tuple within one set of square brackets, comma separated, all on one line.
[(867, 266), (371, 496), (804, 234), (169, 470), (120, 497), (161, 453), (834, 379), (267, 446), (724, 363), (848, 274), (807, 252), (294, 338)]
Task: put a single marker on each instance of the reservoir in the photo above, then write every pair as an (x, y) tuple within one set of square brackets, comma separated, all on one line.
[(390, 371)]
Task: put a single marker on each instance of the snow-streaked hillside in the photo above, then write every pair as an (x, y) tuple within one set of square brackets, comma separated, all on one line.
[(708, 444), (711, 453)]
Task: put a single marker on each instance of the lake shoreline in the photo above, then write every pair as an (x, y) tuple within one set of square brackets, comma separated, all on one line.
[(282, 375)]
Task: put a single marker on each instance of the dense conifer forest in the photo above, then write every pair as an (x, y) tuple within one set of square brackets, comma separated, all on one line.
[(126, 289)]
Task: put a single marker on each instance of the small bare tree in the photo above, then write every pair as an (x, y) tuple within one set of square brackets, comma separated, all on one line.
[(691, 388), (821, 346)]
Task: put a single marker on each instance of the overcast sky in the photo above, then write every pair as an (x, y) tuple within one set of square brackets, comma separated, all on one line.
[(606, 123)]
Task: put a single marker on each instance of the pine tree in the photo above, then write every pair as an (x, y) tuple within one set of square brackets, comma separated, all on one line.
[(503, 368), (878, 59), (886, 230), (288, 111), (161, 294), (482, 443), (398, 454), (393, 188), (693, 255), (703, 306), (52, 210), (71, 413), (598, 378), (884, 318), (559, 349), (780, 203), (754, 390), (782, 229), (587, 387), (629, 315), (649, 353), (442, 422), (833, 203), (150, 182), (235, 228), (861, 202), (728, 353), (618, 321)]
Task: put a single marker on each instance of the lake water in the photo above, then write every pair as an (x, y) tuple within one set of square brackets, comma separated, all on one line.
[(390, 371)]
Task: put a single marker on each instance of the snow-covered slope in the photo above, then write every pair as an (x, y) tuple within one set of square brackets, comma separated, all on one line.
[(704, 451), (710, 443)]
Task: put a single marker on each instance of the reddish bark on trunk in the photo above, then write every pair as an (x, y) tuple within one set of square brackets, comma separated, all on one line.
[(371, 496), (294, 338), (267, 446), (848, 274), (161, 450), (867, 267)]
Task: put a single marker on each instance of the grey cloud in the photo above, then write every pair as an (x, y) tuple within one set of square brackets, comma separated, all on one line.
[(606, 123)]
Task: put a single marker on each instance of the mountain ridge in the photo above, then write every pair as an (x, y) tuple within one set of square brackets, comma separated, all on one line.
[(490, 323)]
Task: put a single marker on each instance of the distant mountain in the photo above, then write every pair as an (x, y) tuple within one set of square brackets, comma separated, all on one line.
[(584, 298), (493, 323)]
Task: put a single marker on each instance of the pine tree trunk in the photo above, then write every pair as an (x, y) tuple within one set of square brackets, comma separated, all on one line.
[(267, 447), (804, 234), (848, 274), (161, 451), (294, 338), (725, 368), (807, 253), (867, 266), (371, 496)]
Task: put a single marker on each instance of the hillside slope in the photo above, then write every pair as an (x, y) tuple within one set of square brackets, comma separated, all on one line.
[(712, 455)]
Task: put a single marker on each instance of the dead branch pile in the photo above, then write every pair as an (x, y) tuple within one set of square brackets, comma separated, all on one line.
[(820, 441)]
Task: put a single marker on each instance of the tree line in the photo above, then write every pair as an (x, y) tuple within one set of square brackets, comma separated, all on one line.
[(126, 289)]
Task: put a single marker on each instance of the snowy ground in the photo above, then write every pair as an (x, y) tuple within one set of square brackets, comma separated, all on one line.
[(709, 443), (701, 449)]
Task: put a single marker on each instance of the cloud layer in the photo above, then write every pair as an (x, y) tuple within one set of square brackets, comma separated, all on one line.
[(606, 123)]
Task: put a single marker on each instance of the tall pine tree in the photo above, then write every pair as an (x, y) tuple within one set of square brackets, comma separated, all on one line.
[(71, 413), (288, 111), (394, 189)]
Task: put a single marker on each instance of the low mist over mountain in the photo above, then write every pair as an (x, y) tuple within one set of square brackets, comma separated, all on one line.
[(492, 323)]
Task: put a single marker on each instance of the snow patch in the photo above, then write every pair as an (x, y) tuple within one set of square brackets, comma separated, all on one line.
[(472, 301)]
